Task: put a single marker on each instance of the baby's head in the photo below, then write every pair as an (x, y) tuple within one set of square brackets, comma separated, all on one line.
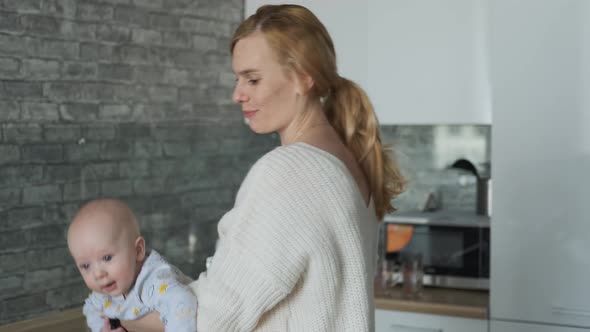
[(106, 244)]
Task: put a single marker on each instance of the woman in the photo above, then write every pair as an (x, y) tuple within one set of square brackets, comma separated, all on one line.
[(297, 251)]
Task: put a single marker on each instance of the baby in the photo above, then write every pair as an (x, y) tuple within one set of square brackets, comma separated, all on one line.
[(126, 282)]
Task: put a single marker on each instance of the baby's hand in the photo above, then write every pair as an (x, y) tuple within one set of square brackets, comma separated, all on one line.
[(115, 326)]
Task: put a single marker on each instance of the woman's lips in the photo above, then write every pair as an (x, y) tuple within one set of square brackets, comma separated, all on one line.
[(248, 114)]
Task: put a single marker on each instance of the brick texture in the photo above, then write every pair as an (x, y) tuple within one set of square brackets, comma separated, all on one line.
[(113, 98)]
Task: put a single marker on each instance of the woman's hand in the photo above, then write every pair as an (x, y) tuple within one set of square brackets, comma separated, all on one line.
[(148, 323)]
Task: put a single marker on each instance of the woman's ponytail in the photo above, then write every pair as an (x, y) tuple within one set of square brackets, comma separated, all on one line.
[(350, 112)]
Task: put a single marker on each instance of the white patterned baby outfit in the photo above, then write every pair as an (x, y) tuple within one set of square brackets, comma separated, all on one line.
[(159, 287)]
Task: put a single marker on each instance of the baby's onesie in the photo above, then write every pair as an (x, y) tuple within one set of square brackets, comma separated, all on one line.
[(159, 287)]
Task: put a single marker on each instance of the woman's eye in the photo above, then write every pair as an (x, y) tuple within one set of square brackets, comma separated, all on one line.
[(84, 266), (252, 82), (107, 258)]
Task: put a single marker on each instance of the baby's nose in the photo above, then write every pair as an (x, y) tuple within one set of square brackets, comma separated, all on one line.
[(99, 273)]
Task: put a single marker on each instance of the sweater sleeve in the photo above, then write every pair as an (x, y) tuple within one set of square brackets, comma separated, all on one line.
[(261, 256)]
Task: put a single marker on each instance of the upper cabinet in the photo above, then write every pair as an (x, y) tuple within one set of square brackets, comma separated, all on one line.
[(420, 61), (427, 61)]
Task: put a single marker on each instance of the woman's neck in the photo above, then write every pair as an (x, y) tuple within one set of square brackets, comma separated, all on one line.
[(310, 121)]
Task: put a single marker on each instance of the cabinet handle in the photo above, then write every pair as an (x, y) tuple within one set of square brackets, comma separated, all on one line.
[(407, 328), (559, 310)]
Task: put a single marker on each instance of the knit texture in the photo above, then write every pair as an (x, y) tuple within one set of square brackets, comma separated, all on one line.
[(296, 253)]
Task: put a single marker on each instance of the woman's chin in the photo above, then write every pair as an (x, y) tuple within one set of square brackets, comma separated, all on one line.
[(257, 129)]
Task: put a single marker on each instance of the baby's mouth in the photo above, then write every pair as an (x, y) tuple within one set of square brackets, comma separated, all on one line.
[(109, 287)]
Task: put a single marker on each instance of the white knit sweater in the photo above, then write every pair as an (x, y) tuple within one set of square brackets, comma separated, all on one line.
[(296, 253)]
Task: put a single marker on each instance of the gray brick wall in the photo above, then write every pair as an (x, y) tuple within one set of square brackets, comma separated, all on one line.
[(123, 98)]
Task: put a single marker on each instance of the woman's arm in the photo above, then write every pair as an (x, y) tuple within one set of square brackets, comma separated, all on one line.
[(148, 323), (260, 257)]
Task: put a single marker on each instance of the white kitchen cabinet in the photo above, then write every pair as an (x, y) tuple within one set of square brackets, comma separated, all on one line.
[(427, 61), (420, 61), (401, 321), (499, 326), (346, 21), (540, 161)]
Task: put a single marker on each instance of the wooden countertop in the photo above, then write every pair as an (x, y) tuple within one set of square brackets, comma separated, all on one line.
[(437, 301), (71, 320)]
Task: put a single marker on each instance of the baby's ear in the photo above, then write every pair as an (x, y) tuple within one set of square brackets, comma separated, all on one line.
[(139, 249)]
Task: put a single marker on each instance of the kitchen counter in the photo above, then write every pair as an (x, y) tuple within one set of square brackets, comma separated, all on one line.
[(71, 320), (437, 301), (440, 218)]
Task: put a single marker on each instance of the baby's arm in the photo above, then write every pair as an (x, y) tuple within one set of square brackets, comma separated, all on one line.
[(178, 308), (148, 323), (175, 302), (93, 311)]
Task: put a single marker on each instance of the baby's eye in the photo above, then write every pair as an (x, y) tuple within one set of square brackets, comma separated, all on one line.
[(107, 258), (84, 266)]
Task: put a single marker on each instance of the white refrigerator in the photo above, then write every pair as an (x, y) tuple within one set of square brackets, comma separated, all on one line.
[(540, 226)]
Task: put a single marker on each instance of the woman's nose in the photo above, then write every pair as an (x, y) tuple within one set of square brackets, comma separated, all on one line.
[(238, 96)]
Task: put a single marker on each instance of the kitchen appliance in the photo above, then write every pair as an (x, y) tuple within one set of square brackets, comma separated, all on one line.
[(455, 249)]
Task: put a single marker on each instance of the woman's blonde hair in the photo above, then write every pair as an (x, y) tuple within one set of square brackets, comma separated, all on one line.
[(302, 44)]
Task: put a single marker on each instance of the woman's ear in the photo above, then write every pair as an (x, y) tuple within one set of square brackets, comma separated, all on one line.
[(303, 83), (139, 249)]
